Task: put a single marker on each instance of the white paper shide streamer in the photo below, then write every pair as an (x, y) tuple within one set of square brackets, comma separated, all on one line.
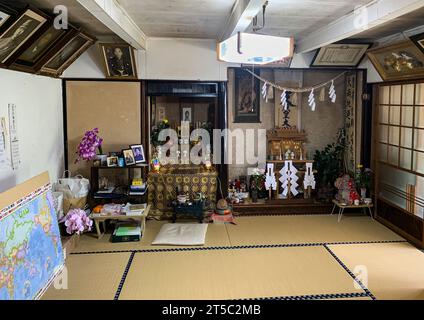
[(265, 91), (332, 92), (311, 100), (289, 179), (284, 101), (270, 181), (309, 180)]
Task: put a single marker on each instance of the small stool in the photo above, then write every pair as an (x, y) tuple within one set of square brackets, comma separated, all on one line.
[(342, 208)]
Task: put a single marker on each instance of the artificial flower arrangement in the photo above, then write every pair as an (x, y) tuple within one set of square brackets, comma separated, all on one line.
[(347, 192), (363, 177), (90, 143), (164, 124), (77, 221)]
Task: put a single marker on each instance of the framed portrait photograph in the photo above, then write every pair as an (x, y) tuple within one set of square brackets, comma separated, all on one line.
[(67, 54), (419, 41), (138, 152), (400, 61), (186, 113), (247, 97), (128, 157), (3, 17), (33, 58), (119, 61), (20, 35), (340, 55), (112, 161)]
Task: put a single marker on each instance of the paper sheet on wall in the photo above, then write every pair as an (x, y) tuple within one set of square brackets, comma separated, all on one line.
[(3, 134), (13, 134)]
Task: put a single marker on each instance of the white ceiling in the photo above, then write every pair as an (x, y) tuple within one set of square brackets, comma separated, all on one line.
[(179, 18), (207, 18), (300, 17)]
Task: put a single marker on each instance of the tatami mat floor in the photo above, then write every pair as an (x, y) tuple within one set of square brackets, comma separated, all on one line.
[(279, 257)]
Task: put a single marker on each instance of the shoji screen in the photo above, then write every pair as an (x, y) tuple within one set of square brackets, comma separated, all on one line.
[(399, 153)]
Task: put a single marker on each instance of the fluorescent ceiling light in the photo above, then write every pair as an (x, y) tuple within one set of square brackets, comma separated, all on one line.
[(251, 48)]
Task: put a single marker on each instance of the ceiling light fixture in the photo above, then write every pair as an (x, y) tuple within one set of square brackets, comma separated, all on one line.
[(252, 48), (248, 48)]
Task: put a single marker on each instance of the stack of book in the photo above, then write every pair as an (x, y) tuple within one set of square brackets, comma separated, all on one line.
[(135, 209), (127, 232), (137, 187)]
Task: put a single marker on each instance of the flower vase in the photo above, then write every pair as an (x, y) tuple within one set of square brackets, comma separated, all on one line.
[(254, 195), (363, 193)]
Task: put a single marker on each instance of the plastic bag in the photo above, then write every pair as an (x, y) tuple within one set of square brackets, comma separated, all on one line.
[(75, 191)]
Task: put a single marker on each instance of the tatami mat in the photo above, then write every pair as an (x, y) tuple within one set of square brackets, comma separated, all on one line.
[(90, 277), (395, 270), (307, 229), (216, 236), (236, 274), (267, 230)]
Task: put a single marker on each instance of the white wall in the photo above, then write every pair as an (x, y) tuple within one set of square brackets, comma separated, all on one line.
[(164, 59), (40, 125)]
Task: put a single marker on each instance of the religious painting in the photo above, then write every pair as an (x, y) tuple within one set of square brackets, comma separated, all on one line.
[(119, 61), (419, 41), (340, 55), (247, 97), (67, 54), (19, 34), (398, 62)]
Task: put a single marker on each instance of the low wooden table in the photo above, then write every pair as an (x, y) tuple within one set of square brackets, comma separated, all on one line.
[(98, 218), (343, 207)]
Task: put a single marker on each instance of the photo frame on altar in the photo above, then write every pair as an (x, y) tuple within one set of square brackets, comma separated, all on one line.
[(340, 55), (247, 97), (138, 152)]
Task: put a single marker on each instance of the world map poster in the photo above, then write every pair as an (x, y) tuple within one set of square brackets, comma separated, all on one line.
[(30, 247)]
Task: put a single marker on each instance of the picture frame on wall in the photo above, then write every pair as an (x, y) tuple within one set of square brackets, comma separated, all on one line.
[(67, 54), (138, 152), (247, 97), (418, 40), (43, 49), (119, 61), (401, 61), (340, 55), (21, 34), (129, 157), (4, 16)]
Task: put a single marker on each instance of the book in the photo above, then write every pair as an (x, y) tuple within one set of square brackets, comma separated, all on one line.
[(106, 191), (126, 233)]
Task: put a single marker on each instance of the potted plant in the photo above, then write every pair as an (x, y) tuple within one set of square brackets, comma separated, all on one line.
[(363, 180), (88, 147), (329, 164), (257, 185)]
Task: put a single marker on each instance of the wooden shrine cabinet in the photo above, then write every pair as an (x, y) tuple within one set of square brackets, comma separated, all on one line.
[(289, 145)]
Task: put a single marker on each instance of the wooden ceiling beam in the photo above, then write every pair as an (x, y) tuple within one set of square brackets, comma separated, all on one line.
[(241, 17), (375, 14), (113, 16)]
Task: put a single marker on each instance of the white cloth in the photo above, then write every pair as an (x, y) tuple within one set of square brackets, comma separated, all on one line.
[(182, 234)]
